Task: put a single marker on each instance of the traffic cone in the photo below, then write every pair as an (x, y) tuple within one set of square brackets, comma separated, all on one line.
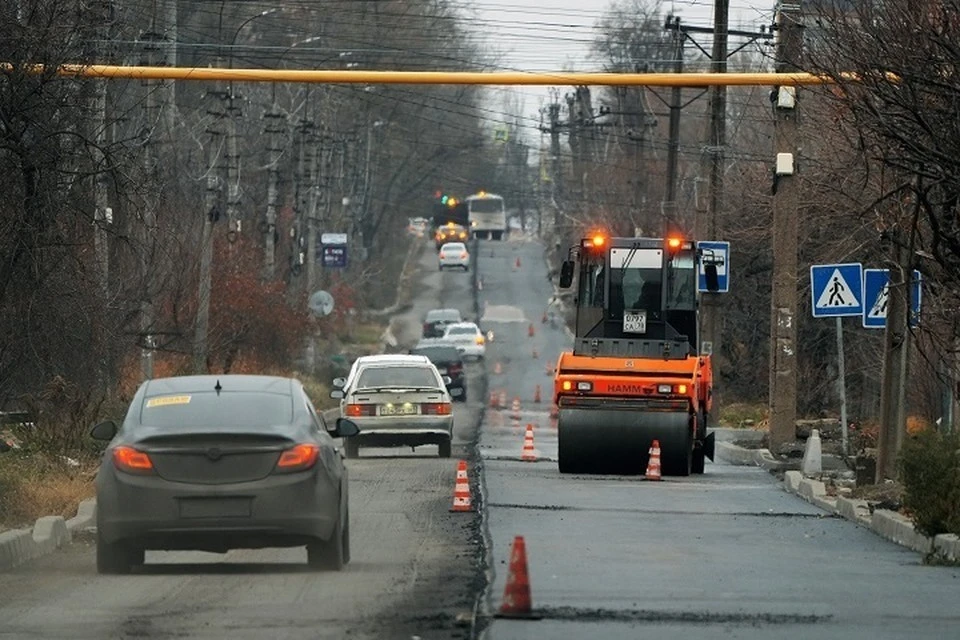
[(490, 336), (518, 262), (493, 399), (479, 284), (503, 400), (653, 467), (555, 411), (543, 320), (461, 490), (536, 395), (516, 408), (517, 602), (497, 369), (528, 454), (531, 331)]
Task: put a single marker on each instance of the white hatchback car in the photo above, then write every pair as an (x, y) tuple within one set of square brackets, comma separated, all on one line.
[(400, 400), (467, 337), (454, 254)]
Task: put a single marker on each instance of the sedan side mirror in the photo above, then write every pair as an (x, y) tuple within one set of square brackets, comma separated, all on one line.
[(339, 382), (345, 428), (447, 380), (104, 431), (336, 394)]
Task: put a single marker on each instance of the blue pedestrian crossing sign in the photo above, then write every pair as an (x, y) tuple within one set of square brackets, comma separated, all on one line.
[(876, 294), (836, 289), (715, 253)]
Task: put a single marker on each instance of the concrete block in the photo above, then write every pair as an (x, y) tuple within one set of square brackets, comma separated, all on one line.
[(811, 489), (50, 533), (947, 545), (791, 480), (827, 503), (899, 529), (853, 509), (16, 547), (86, 516), (812, 455)]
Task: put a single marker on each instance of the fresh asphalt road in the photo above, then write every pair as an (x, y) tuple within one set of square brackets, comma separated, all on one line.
[(414, 568), (727, 554)]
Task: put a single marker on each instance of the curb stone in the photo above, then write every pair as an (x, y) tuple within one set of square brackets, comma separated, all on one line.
[(743, 457), (48, 534), (887, 524)]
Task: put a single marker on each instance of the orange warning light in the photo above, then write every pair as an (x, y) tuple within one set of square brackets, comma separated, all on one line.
[(598, 240), (674, 243)]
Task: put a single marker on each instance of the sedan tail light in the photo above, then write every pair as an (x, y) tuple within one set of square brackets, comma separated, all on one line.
[(436, 408), (360, 410), (131, 460), (479, 340), (464, 255), (442, 255), (298, 458)]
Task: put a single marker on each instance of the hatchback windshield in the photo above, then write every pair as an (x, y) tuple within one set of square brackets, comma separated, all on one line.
[(217, 411), (454, 246), (398, 377)]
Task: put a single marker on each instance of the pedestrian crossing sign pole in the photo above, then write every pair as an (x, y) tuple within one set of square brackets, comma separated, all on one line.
[(837, 291)]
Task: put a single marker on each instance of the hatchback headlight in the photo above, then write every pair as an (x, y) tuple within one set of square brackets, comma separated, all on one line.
[(664, 388)]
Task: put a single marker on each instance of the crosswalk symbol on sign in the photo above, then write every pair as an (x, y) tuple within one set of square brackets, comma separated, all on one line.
[(837, 293), (879, 308)]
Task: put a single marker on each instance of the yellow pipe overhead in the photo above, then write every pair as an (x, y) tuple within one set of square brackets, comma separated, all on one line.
[(339, 76)]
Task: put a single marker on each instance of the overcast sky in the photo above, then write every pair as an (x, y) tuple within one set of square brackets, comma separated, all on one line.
[(553, 35)]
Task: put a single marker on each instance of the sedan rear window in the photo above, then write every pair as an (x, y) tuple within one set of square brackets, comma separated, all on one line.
[(438, 354), (217, 411), (448, 315), (460, 331), (397, 377)]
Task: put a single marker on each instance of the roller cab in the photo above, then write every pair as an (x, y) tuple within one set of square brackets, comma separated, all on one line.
[(635, 374)]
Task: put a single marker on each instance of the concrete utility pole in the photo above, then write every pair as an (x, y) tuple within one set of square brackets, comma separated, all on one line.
[(896, 354), (313, 200), (783, 308), (676, 96), (553, 113), (274, 125)]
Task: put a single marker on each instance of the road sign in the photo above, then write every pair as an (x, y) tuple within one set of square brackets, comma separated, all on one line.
[(717, 253), (836, 289), (334, 256), (333, 238), (876, 294), (321, 303)]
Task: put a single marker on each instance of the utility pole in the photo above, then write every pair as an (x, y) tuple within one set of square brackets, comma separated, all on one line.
[(676, 96), (166, 92), (313, 198), (893, 390), (783, 308), (553, 111), (710, 316), (274, 127)]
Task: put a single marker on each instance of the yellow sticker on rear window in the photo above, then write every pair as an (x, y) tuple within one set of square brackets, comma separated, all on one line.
[(167, 400)]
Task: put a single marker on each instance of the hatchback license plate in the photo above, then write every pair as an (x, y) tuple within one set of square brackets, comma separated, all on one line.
[(399, 410), (634, 321), (215, 507)]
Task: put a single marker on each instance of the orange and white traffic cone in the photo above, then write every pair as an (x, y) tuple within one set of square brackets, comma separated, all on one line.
[(516, 408), (536, 395), (653, 466), (497, 368), (461, 490), (517, 602), (518, 262), (493, 399), (531, 331), (503, 400), (528, 454)]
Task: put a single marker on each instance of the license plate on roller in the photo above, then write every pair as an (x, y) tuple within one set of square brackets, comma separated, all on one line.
[(634, 321), (399, 410)]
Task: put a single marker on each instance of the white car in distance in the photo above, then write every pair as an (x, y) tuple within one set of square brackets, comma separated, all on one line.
[(454, 254), (467, 338)]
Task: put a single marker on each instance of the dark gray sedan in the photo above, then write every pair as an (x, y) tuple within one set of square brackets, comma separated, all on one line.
[(214, 463)]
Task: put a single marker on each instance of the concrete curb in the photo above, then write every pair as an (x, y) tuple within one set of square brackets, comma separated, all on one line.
[(887, 524), (743, 457), (48, 534)]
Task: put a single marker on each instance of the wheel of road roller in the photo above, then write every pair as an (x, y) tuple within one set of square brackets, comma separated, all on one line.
[(611, 441)]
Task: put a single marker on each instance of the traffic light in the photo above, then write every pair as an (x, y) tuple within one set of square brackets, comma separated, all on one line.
[(444, 199)]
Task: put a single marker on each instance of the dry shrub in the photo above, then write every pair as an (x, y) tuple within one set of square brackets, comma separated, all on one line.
[(930, 472), (33, 485), (63, 413)]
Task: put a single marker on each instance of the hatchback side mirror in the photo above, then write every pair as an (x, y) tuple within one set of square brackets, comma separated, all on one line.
[(345, 428), (104, 431), (339, 382), (447, 380)]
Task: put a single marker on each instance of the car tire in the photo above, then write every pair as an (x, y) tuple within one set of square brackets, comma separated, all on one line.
[(351, 448), (116, 557), (346, 537), (328, 555), (446, 448)]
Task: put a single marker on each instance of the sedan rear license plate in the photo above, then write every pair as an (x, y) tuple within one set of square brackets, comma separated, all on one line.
[(399, 410), (634, 321), (215, 507)]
